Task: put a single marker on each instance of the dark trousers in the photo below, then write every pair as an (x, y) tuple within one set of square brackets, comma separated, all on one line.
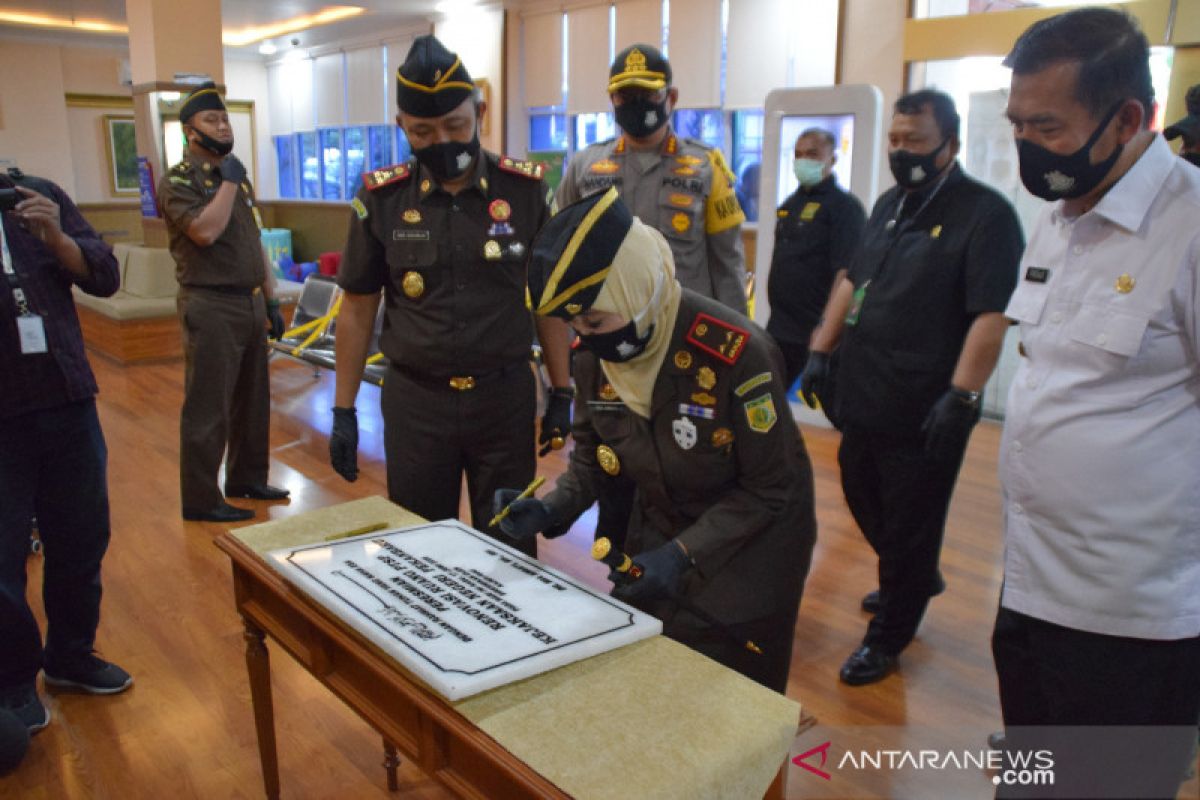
[(1052, 678), (52, 465), (899, 497), (227, 394), (434, 433)]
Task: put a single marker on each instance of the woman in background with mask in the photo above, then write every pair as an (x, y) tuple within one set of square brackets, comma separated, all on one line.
[(687, 398)]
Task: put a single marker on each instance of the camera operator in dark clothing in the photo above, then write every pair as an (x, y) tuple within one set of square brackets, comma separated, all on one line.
[(52, 451)]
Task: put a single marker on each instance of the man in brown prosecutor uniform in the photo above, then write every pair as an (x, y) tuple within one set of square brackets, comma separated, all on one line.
[(446, 238), (225, 302)]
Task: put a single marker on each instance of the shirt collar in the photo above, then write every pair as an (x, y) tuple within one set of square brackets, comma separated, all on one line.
[(1128, 201)]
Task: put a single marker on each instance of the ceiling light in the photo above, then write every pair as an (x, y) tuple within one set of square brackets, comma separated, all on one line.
[(267, 48), (47, 21), (254, 33), (454, 6)]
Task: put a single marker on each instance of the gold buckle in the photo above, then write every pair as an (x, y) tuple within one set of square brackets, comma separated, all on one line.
[(462, 384)]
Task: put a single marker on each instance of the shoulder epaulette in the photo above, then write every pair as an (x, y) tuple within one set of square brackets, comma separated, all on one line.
[(717, 338), (385, 175), (530, 169), (181, 167)]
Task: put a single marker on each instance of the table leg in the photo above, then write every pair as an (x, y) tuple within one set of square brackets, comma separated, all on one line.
[(391, 762), (258, 665)]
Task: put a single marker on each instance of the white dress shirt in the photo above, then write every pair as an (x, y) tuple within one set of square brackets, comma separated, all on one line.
[(1100, 458)]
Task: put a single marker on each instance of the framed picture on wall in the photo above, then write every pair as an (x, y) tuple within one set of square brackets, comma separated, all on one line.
[(122, 155), (485, 94)]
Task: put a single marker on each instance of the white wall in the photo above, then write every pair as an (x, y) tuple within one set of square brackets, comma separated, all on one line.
[(33, 115), (477, 35), (247, 80), (873, 52)]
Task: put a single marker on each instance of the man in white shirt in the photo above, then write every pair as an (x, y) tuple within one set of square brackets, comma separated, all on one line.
[(1099, 620)]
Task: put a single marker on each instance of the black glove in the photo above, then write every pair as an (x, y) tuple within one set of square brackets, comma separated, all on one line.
[(343, 443), (526, 518), (814, 378), (948, 424), (232, 169), (661, 568), (557, 421), (275, 318)]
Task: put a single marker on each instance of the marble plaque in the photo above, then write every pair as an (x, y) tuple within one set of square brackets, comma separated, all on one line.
[(459, 609)]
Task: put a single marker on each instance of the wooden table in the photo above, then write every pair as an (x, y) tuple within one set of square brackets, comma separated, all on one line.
[(495, 745)]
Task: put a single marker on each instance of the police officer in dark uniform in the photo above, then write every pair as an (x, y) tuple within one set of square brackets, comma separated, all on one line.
[(920, 321), (446, 238), (816, 232), (1188, 128), (225, 305), (686, 397)]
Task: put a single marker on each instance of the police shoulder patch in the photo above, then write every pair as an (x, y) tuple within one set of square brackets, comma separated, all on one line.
[(717, 338), (758, 380), (760, 413), (385, 175), (529, 169), (360, 210)]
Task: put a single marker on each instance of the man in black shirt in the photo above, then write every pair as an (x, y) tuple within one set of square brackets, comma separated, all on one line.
[(816, 231), (920, 321)]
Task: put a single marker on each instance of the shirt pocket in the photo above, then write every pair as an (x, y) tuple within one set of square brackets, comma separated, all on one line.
[(414, 268), (1028, 301), (680, 215), (1115, 331)]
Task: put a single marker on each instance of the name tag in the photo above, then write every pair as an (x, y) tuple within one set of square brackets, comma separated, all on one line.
[(32, 332), (407, 234), (1037, 275)]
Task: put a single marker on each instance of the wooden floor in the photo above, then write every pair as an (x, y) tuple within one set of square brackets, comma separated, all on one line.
[(185, 730)]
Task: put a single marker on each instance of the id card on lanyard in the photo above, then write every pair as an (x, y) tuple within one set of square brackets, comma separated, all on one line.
[(31, 329)]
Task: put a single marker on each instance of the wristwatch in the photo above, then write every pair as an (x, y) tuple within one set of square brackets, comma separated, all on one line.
[(969, 398)]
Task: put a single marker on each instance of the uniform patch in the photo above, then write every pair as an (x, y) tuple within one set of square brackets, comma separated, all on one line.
[(529, 169), (178, 180), (809, 211), (706, 377), (718, 338), (385, 175), (681, 200), (359, 209), (936, 232), (760, 413), (781, 213), (604, 167), (681, 222), (409, 235), (690, 161), (500, 229), (683, 359), (411, 216), (491, 250), (753, 383), (499, 210), (413, 284), (721, 437), (683, 171), (685, 432), (704, 399), (607, 392)]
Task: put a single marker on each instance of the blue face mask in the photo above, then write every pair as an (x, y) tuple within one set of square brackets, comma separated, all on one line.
[(808, 171)]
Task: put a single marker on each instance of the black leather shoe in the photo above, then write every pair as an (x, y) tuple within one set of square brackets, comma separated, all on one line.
[(867, 665), (222, 513), (870, 601), (256, 491)]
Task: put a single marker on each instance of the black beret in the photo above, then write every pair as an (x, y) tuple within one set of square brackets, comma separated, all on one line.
[(203, 98), (432, 81), (639, 65), (573, 252)]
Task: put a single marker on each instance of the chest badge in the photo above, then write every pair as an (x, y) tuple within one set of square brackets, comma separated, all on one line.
[(690, 161), (706, 378), (1125, 283), (680, 199), (681, 222), (604, 167), (607, 392), (685, 433), (809, 211), (491, 250), (499, 210), (683, 359), (608, 460), (704, 399), (411, 216), (413, 285), (721, 437)]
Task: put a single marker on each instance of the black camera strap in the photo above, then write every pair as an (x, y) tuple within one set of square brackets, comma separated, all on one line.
[(10, 275)]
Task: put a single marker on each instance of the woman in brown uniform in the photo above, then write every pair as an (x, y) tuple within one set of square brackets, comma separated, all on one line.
[(686, 397)]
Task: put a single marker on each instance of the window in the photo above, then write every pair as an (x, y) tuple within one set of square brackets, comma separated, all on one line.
[(333, 164), (310, 165), (747, 159), (704, 124), (591, 128), (403, 148), (380, 149), (285, 157), (356, 158), (547, 130)]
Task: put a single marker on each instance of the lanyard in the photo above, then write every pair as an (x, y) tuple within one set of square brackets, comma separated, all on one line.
[(11, 275)]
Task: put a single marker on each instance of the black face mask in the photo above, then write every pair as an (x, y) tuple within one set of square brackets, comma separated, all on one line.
[(448, 160), (1191, 158), (1052, 176), (914, 170), (212, 145), (639, 117), (617, 346)]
